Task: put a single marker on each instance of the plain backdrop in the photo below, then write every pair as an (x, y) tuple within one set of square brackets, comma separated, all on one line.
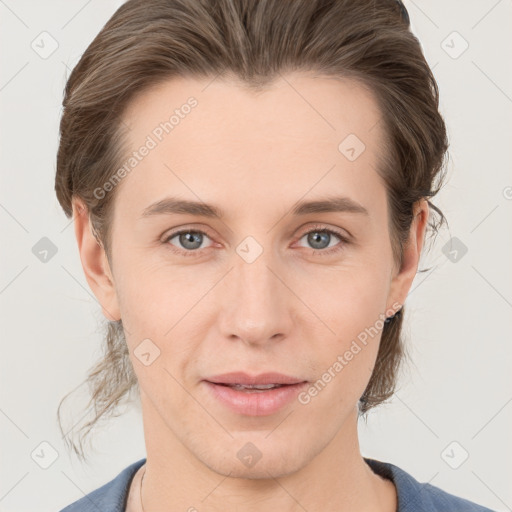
[(450, 421)]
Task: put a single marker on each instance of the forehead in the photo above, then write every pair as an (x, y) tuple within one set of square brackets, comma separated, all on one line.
[(305, 104), (218, 138)]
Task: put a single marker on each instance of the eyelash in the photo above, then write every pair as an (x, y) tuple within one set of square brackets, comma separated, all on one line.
[(315, 229)]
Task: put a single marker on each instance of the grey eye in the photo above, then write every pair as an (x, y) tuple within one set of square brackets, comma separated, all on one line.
[(190, 240), (318, 239)]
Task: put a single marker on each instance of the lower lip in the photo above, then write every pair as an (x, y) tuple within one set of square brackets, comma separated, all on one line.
[(259, 403)]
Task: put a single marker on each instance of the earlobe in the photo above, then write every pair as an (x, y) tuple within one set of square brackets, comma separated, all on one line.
[(402, 281), (95, 262)]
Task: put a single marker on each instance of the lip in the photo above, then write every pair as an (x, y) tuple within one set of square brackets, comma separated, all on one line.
[(255, 403), (252, 380)]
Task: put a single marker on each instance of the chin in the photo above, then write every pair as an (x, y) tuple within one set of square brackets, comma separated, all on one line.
[(248, 461)]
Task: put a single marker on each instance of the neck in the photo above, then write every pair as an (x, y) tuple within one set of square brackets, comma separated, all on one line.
[(335, 479)]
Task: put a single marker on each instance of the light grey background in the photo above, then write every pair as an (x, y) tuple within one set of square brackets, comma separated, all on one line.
[(459, 320)]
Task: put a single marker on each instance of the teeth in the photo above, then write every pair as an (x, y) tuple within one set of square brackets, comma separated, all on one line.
[(240, 387)]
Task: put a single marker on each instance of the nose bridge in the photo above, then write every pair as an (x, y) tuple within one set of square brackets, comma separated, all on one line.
[(255, 308)]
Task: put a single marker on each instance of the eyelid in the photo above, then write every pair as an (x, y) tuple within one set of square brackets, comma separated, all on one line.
[(343, 233), (344, 236), (169, 233), (172, 234)]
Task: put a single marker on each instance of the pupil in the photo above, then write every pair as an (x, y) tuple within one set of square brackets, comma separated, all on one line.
[(314, 238), (187, 238)]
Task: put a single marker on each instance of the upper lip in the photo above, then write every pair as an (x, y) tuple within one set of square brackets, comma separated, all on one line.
[(254, 380)]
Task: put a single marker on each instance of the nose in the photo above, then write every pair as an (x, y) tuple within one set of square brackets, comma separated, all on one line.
[(256, 306)]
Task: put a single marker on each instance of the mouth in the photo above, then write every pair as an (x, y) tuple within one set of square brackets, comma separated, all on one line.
[(259, 388), (259, 395), (247, 380)]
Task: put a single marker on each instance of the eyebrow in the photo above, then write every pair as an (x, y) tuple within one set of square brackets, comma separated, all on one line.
[(173, 205)]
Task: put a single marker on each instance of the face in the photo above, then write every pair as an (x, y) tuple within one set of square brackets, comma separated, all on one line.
[(288, 269)]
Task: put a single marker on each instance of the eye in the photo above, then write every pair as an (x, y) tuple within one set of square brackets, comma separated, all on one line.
[(320, 239), (189, 240)]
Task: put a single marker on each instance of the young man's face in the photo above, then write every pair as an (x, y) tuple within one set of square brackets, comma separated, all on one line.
[(250, 291)]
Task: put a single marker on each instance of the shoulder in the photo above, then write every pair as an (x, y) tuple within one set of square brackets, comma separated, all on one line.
[(414, 496), (111, 497)]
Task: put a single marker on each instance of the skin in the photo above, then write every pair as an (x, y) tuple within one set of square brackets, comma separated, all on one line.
[(292, 310)]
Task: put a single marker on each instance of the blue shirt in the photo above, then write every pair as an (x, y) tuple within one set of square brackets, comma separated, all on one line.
[(413, 496)]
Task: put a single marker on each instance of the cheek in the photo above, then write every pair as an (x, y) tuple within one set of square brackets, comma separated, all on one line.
[(351, 308), (150, 297), (346, 362), (350, 301), (159, 308)]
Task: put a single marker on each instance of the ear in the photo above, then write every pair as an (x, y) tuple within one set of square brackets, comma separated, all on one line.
[(94, 262), (402, 280)]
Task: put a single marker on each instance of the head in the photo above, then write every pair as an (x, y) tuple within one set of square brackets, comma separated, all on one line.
[(258, 112)]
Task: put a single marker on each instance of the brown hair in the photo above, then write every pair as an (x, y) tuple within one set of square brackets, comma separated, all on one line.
[(146, 42)]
